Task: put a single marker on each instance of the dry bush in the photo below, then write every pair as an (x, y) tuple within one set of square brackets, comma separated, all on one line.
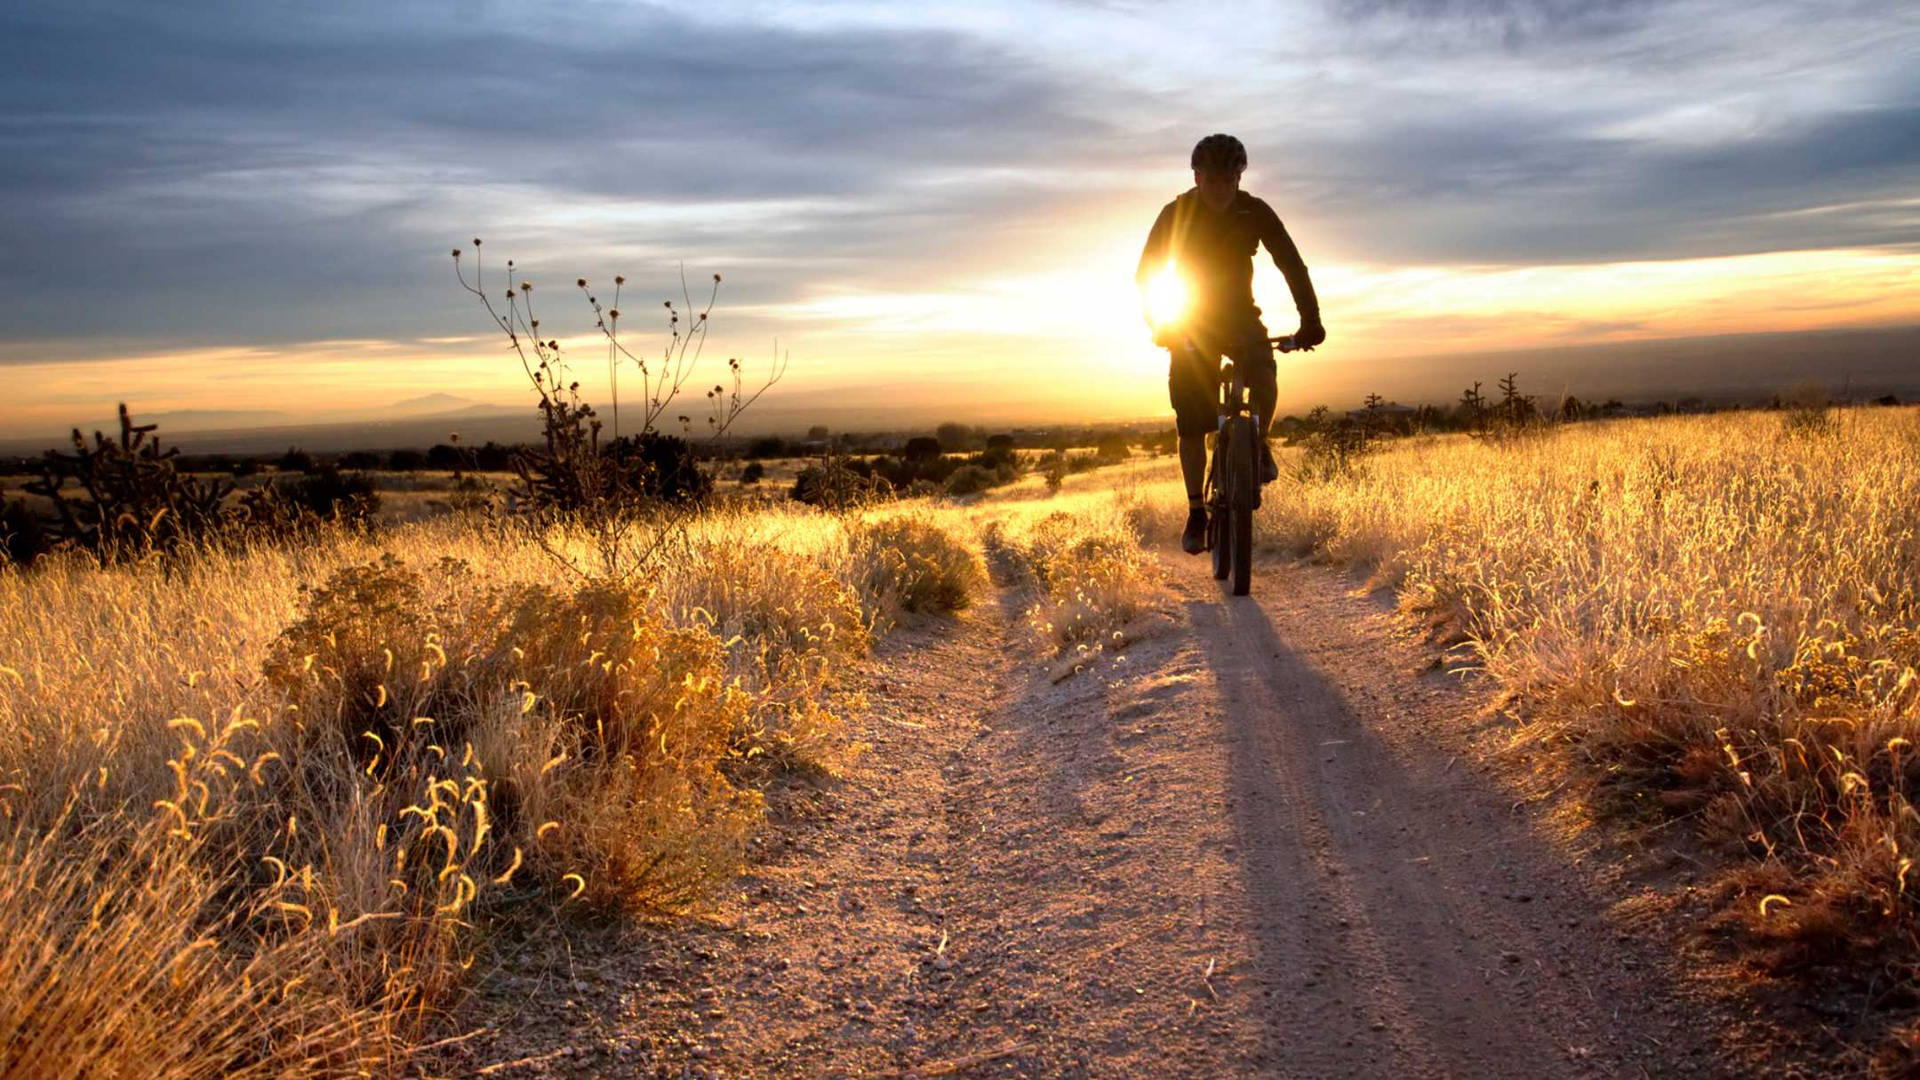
[(907, 563), (1090, 578), (428, 744), (126, 954)]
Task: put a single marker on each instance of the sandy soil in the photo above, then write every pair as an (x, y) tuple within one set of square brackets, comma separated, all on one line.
[(1268, 839)]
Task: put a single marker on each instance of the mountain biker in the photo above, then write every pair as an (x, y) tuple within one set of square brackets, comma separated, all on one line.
[(1209, 236)]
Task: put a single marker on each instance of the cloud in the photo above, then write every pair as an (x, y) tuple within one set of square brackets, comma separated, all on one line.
[(241, 169), (233, 172)]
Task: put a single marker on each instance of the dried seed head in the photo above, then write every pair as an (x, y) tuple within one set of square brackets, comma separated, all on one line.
[(582, 282), (526, 286), (456, 253), (619, 279), (614, 314), (476, 241), (716, 277)]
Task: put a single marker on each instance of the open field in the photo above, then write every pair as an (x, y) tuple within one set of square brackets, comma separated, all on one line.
[(267, 810)]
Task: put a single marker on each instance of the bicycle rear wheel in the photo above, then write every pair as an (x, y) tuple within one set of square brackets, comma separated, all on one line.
[(1240, 496)]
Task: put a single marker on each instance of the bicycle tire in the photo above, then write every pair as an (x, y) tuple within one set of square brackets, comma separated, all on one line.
[(1219, 537), (1240, 495)]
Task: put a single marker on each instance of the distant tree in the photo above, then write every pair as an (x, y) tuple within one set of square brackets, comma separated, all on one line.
[(969, 479), (360, 459), (444, 456), (1113, 446), (753, 473), (1054, 469), (771, 446), (294, 460), (817, 433), (1571, 409), (492, 457), (406, 460), (921, 448), (1000, 446), (246, 466), (954, 437)]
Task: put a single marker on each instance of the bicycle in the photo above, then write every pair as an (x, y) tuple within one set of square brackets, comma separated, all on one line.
[(1233, 479)]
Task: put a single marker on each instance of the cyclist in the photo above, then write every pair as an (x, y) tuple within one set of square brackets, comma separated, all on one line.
[(1209, 236)]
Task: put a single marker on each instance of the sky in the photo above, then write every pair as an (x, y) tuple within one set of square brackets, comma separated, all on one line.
[(251, 205)]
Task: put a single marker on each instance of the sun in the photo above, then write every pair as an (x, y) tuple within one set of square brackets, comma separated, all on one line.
[(1166, 296)]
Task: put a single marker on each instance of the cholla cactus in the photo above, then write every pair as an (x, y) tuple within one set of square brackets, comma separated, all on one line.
[(127, 498)]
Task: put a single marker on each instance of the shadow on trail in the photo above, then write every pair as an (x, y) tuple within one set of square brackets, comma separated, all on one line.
[(1389, 933)]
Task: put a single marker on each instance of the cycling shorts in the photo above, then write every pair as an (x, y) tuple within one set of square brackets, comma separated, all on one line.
[(1193, 378)]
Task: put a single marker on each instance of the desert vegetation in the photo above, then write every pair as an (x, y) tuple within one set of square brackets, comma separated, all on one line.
[(309, 775), (309, 772)]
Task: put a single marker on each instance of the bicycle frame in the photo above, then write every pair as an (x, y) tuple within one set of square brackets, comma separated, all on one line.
[(1232, 485)]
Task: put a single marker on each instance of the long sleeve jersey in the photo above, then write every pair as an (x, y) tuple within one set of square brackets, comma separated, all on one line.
[(1215, 249)]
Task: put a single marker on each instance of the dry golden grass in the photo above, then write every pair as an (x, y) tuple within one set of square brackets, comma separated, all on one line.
[(1719, 613), (258, 808)]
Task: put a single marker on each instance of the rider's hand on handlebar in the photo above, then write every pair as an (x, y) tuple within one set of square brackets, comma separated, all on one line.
[(1309, 335)]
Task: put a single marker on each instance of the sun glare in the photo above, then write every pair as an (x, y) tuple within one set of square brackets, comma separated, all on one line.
[(1166, 296)]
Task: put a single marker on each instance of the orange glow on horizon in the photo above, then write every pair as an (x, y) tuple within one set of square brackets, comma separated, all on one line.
[(1052, 337)]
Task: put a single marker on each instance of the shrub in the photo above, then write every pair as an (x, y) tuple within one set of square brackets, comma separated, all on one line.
[(23, 537), (1809, 412), (663, 468), (1331, 452), (970, 480), (572, 474), (753, 473), (1054, 470), (599, 730), (331, 495), (837, 484), (907, 563), (1088, 571)]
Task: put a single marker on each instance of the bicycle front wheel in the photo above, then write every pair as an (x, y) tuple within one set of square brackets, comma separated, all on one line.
[(1219, 512), (1240, 495)]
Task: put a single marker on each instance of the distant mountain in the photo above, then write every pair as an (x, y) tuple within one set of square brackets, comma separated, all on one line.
[(177, 420), (434, 403)]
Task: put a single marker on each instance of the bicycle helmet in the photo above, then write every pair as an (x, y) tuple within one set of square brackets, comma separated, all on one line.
[(1220, 154)]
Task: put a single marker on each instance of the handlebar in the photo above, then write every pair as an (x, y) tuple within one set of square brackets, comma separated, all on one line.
[(1286, 345)]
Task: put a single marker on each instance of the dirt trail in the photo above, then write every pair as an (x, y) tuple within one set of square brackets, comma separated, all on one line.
[(1255, 843)]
